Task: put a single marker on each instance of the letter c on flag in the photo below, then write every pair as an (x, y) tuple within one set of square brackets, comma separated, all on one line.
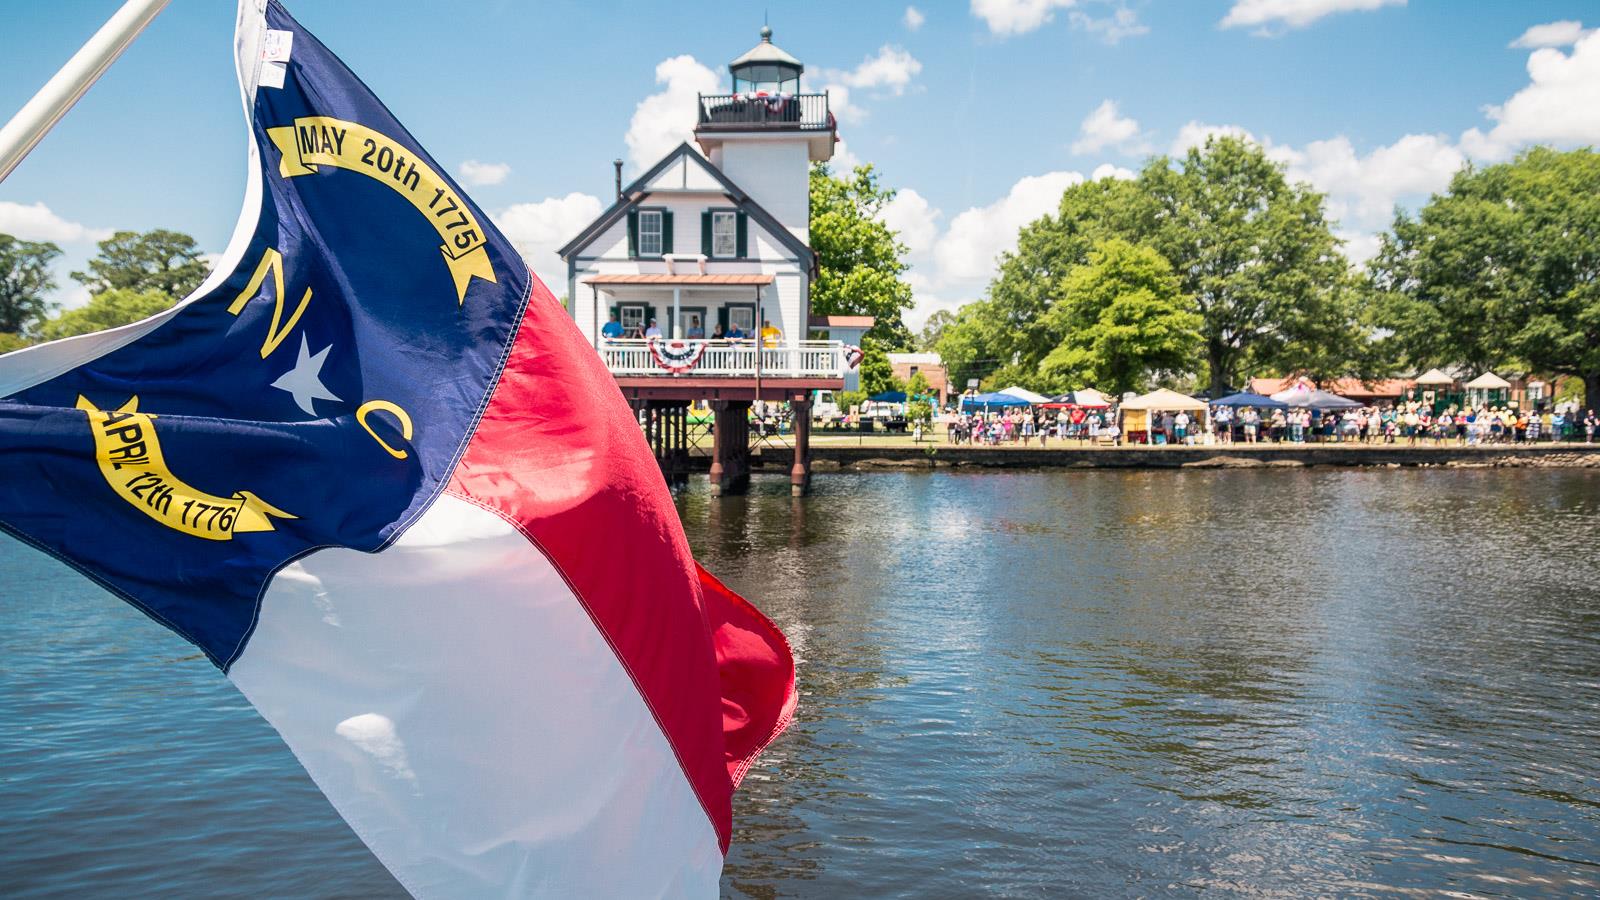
[(386, 406)]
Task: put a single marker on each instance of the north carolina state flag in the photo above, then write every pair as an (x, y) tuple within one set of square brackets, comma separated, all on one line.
[(373, 471)]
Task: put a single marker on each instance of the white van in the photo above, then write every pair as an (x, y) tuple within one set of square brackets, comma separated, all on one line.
[(825, 406)]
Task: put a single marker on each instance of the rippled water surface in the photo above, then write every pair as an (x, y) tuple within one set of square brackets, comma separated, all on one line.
[(1039, 684)]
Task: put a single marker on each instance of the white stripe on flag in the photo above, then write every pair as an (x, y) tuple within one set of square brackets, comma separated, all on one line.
[(456, 703)]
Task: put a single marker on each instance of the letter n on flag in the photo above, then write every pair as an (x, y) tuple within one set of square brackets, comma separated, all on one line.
[(373, 471)]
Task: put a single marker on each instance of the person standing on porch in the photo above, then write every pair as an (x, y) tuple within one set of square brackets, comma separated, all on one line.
[(612, 330), (697, 331), (770, 335), (654, 331)]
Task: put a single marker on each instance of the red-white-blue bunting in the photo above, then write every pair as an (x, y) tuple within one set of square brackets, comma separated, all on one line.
[(676, 357)]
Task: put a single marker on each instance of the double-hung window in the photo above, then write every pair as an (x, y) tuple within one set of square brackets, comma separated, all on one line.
[(650, 243), (725, 234)]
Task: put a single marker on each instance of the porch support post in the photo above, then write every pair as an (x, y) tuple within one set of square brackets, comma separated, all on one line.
[(594, 306), (676, 291), (800, 471), (730, 447)]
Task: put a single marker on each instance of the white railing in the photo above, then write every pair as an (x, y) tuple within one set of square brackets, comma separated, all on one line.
[(788, 359)]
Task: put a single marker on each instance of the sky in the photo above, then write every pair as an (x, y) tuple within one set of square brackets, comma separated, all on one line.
[(979, 113)]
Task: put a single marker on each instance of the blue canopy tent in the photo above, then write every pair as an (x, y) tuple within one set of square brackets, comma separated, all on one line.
[(889, 397), (1246, 398), (988, 401)]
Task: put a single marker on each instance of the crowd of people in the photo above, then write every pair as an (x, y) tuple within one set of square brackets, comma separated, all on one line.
[(1410, 423)]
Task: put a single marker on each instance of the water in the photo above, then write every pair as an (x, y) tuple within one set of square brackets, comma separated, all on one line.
[(1024, 684)]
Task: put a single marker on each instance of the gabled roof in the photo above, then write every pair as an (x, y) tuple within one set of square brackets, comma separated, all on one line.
[(639, 188)]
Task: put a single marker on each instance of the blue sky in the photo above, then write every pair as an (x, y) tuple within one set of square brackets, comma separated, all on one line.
[(980, 112)]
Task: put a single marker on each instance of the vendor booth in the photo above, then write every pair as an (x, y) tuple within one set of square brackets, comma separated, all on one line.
[(1022, 393), (1088, 398), (989, 402), (1136, 413)]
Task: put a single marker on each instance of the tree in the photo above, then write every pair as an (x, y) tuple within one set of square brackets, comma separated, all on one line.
[(1502, 269), (1015, 329), (1123, 318), (858, 257), (1255, 253), (159, 260), (107, 309), (877, 375), (917, 386), (933, 329), (24, 281)]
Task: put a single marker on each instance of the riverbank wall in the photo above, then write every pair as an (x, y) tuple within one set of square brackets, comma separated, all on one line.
[(1232, 456)]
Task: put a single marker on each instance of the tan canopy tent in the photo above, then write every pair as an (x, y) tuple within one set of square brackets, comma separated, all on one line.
[(1434, 378), (1488, 381), (1136, 412)]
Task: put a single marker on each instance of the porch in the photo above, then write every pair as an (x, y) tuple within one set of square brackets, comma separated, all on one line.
[(696, 359)]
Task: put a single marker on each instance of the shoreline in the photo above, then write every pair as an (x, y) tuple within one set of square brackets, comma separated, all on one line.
[(927, 455)]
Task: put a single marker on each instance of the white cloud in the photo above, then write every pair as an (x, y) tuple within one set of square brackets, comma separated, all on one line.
[(1560, 106), (1195, 134), (38, 223), (1122, 23), (1363, 190), (666, 118), (914, 18), (978, 236), (1104, 127), (1564, 33), (1010, 17), (1107, 170), (917, 222), (954, 267), (843, 160), (1267, 14), (482, 173), (891, 70), (538, 229)]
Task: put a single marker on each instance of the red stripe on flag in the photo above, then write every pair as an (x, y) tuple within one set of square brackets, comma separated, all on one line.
[(560, 453), (757, 670)]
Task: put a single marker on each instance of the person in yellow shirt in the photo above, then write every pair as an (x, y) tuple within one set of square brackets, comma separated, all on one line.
[(770, 335)]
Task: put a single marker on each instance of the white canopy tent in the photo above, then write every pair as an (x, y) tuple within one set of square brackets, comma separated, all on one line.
[(1022, 393), (1434, 378)]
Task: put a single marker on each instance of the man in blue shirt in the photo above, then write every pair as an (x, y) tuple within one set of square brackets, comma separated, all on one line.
[(612, 329)]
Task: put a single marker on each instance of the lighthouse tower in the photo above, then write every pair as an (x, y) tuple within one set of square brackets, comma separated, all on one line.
[(695, 285), (766, 132)]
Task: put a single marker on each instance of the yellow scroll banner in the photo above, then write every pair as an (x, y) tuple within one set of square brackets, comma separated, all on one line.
[(129, 454), (314, 141)]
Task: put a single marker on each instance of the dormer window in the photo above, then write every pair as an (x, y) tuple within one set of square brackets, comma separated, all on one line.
[(650, 233)]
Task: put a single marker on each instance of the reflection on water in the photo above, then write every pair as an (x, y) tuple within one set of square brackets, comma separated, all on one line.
[(1107, 683), (1022, 684)]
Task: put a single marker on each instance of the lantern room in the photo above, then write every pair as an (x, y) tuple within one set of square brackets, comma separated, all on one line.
[(766, 69)]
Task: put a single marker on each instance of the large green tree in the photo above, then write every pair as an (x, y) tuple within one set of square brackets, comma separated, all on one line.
[(159, 260), (1256, 253), (1123, 319), (107, 309), (1502, 269), (24, 281), (859, 258)]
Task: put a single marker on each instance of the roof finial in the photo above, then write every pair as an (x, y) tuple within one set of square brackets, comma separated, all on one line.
[(766, 30)]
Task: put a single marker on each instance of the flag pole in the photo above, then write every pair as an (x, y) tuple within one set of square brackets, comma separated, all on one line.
[(39, 115)]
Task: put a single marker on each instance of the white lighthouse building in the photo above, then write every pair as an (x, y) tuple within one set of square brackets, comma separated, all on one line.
[(695, 283)]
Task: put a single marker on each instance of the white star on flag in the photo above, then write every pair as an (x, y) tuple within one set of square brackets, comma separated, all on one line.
[(304, 381)]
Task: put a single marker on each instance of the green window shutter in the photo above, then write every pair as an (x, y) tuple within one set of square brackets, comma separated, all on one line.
[(744, 230), (722, 318), (650, 313), (705, 233), (633, 234), (666, 232)]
